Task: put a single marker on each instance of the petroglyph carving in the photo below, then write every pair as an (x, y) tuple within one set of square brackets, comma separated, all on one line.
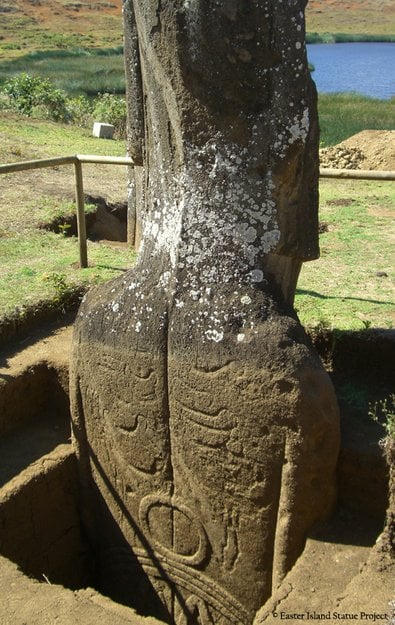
[(205, 425), (175, 514)]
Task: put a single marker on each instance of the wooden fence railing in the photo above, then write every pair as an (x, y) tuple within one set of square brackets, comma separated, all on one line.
[(358, 174), (78, 159)]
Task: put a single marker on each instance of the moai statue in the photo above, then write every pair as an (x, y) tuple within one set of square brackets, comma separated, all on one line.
[(206, 427)]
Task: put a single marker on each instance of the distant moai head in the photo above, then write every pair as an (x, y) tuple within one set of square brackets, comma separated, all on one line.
[(205, 425)]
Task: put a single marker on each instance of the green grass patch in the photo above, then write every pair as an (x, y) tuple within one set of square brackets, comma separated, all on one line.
[(26, 138), (39, 265), (344, 114), (76, 71), (49, 209), (352, 285)]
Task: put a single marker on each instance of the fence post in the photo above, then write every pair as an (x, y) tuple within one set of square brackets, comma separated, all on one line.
[(81, 225)]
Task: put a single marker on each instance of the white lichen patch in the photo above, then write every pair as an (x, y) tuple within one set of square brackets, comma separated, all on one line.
[(269, 240), (257, 275), (213, 223), (247, 232), (214, 335), (300, 127)]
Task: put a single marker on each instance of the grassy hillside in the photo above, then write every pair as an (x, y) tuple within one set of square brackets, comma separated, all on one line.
[(27, 25), (366, 17)]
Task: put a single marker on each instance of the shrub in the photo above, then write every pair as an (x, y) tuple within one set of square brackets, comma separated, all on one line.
[(29, 94), (80, 111), (38, 97), (383, 412), (111, 109)]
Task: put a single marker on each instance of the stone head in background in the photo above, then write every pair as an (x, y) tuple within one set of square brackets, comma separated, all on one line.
[(206, 427)]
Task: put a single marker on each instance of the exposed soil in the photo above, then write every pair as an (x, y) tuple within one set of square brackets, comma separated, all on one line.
[(369, 149), (29, 188), (347, 566)]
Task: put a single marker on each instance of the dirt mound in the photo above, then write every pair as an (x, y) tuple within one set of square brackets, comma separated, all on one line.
[(369, 149)]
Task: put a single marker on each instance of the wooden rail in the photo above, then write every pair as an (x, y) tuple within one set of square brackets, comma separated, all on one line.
[(78, 159), (358, 174)]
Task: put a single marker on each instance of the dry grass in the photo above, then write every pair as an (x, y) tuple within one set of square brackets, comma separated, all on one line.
[(31, 25), (375, 17), (27, 25)]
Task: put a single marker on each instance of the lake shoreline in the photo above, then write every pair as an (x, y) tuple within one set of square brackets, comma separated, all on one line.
[(313, 37), (353, 67)]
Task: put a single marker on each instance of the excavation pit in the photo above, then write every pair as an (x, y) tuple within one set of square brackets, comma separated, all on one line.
[(40, 499)]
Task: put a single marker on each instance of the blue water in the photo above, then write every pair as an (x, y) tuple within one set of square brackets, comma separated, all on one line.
[(365, 68)]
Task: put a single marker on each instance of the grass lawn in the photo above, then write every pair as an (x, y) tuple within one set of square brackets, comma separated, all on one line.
[(78, 71), (23, 138), (38, 265), (41, 265), (350, 287), (344, 114)]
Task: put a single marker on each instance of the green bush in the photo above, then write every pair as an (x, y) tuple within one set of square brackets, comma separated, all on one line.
[(111, 109), (80, 110), (38, 97), (28, 94)]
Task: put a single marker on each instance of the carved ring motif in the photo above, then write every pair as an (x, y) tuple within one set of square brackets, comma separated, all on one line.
[(173, 504)]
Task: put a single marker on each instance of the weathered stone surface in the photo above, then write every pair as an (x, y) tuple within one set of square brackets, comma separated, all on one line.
[(200, 410)]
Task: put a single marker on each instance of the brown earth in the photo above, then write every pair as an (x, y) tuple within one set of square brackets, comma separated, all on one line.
[(369, 149), (354, 16)]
